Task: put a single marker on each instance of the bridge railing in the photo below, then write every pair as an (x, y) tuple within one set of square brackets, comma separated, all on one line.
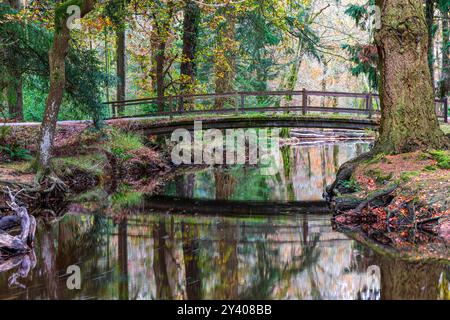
[(299, 101)]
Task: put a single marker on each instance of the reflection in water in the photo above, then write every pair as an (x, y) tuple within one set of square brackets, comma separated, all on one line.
[(184, 257), (303, 173), (160, 256)]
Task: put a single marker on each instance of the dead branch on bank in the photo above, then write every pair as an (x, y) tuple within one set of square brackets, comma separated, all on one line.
[(23, 242)]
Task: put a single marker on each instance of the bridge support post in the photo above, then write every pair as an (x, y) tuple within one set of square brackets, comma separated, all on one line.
[(304, 101), (445, 109)]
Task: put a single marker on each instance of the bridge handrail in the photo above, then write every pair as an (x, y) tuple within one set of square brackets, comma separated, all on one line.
[(182, 98)]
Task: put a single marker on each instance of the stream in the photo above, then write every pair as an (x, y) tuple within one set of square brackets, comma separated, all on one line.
[(170, 254)]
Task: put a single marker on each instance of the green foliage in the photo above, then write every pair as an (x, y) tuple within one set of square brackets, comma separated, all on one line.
[(363, 56), (10, 149), (16, 152), (352, 185), (27, 45)]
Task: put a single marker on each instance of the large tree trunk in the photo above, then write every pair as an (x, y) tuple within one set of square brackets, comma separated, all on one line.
[(121, 75), (408, 117), (57, 56), (190, 35), (444, 87)]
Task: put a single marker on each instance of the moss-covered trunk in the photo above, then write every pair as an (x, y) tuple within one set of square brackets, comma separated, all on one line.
[(57, 56), (190, 38), (121, 75), (444, 83), (225, 57), (408, 119)]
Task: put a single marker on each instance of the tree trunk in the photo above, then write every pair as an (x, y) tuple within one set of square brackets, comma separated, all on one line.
[(14, 91), (160, 86), (445, 75), (57, 56), (190, 35), (15, 95), (408, 117), (429, 17), (121, 76), (225, 59)]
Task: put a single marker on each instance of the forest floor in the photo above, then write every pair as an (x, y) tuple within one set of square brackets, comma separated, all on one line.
[(399, 202), (111, 160)]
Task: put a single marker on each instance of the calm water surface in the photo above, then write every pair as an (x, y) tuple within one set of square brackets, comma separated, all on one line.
[(156, 255)]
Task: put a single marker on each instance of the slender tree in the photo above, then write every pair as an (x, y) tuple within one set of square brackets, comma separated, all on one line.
[(190, 37), (444, 83), (14, 92), (408, 117), (57, 57), (121, 56), (429, 17), (225, 54)]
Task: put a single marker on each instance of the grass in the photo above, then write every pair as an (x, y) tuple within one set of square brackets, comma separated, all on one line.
[(408, 175), (92, 163), (126, 198), (123, 142)]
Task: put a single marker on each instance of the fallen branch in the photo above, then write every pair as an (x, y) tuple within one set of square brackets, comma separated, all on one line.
[(22, 243)]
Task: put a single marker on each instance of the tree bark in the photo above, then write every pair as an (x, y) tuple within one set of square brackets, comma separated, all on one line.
[(160, 86), (408, 117), (14, 91), (57, 56), (121, 74), (429, 17), (15, 95), (225, 58), (444, 87), (159, 38), (190, 36)]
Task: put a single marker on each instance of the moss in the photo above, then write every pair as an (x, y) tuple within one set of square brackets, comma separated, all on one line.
[(407, 175), (445, 128), (379, 176), (442, 157), (376, 159)]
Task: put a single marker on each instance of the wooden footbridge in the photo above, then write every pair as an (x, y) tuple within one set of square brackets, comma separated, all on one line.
[(303, 108)]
